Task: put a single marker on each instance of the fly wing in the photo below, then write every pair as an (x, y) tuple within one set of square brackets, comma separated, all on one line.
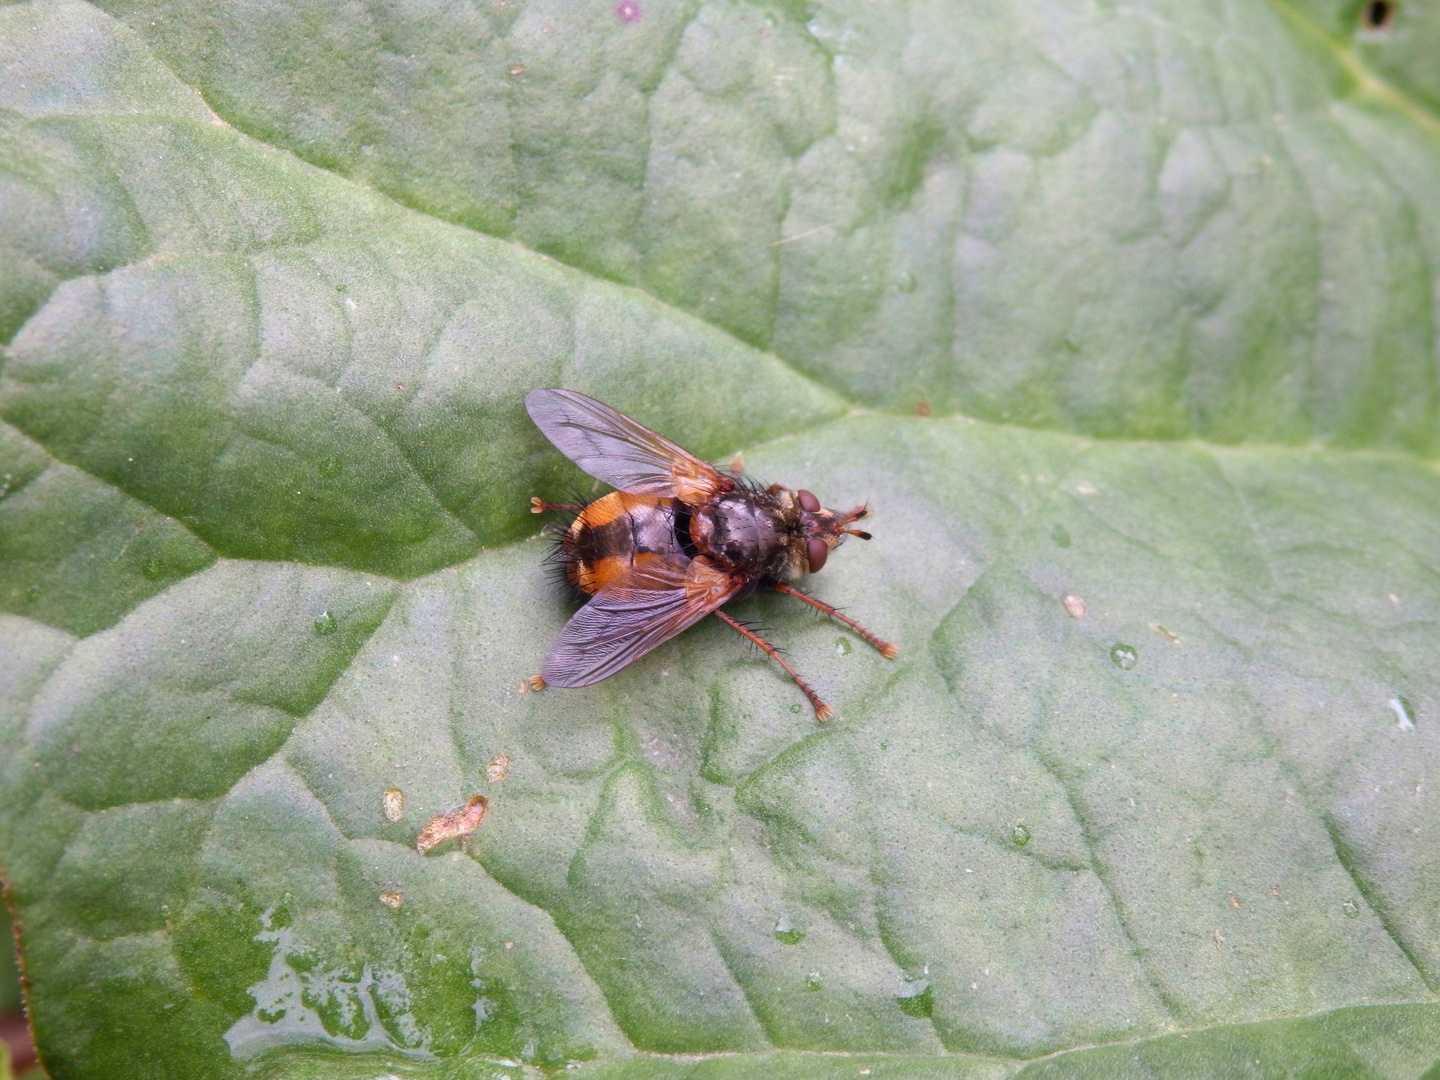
[(645, 606), (611, 447)]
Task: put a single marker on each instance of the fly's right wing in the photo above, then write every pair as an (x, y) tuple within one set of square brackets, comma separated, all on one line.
[(625, 454), (644, 607)]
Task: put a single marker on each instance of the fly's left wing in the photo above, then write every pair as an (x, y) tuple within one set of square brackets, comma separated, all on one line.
[(627, 455), (645, 606)]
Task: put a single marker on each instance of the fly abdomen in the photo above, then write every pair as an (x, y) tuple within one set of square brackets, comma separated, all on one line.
[(612, 533)]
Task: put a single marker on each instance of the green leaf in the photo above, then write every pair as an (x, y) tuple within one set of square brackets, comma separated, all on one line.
[(1149, 789)]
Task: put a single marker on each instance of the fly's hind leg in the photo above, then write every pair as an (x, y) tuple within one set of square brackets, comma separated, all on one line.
[(887, 649), (823, 712), (538, 506)]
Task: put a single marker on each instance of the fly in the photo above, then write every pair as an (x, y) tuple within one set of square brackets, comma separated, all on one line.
[(676, 542)]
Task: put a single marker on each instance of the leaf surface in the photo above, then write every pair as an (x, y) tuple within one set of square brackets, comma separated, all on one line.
[(1122, 319)]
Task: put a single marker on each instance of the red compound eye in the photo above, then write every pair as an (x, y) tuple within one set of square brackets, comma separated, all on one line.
[(816, 550), (808, 503)]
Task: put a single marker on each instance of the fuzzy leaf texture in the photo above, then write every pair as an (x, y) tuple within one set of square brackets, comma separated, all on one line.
[(1123, 317)]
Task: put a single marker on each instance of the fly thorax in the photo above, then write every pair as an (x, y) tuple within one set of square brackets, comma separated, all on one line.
[(745, 531)]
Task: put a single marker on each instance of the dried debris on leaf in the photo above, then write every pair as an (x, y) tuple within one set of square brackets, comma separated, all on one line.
[(393, 803), (453, 823), (498, 767)]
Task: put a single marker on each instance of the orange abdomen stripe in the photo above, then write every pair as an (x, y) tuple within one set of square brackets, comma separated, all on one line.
[(595, 555), (608, 507)]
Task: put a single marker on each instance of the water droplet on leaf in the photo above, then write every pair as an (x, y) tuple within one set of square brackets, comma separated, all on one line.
[(1019, 836), (787, 933), (302, 961), (1351, 909), (325, 624), (905, 282), (812, 982), (1124, 657), (842, 646), (918, 1004)]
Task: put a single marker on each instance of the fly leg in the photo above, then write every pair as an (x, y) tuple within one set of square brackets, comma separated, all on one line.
[(823, 712), (539, 507), (887, 649)]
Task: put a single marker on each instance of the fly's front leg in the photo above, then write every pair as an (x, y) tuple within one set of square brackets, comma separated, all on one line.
[(887, 649), (823, 712)]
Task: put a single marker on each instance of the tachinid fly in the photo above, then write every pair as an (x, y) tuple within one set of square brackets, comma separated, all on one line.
[(674, 543)]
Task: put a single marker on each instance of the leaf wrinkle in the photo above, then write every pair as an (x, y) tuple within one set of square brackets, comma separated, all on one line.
[(1373, 899)]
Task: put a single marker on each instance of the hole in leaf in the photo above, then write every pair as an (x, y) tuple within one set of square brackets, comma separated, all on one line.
[(1378, 15)]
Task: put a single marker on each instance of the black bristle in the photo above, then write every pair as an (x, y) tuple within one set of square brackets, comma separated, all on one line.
[(557, 560), (759, 630), (746, 482)]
